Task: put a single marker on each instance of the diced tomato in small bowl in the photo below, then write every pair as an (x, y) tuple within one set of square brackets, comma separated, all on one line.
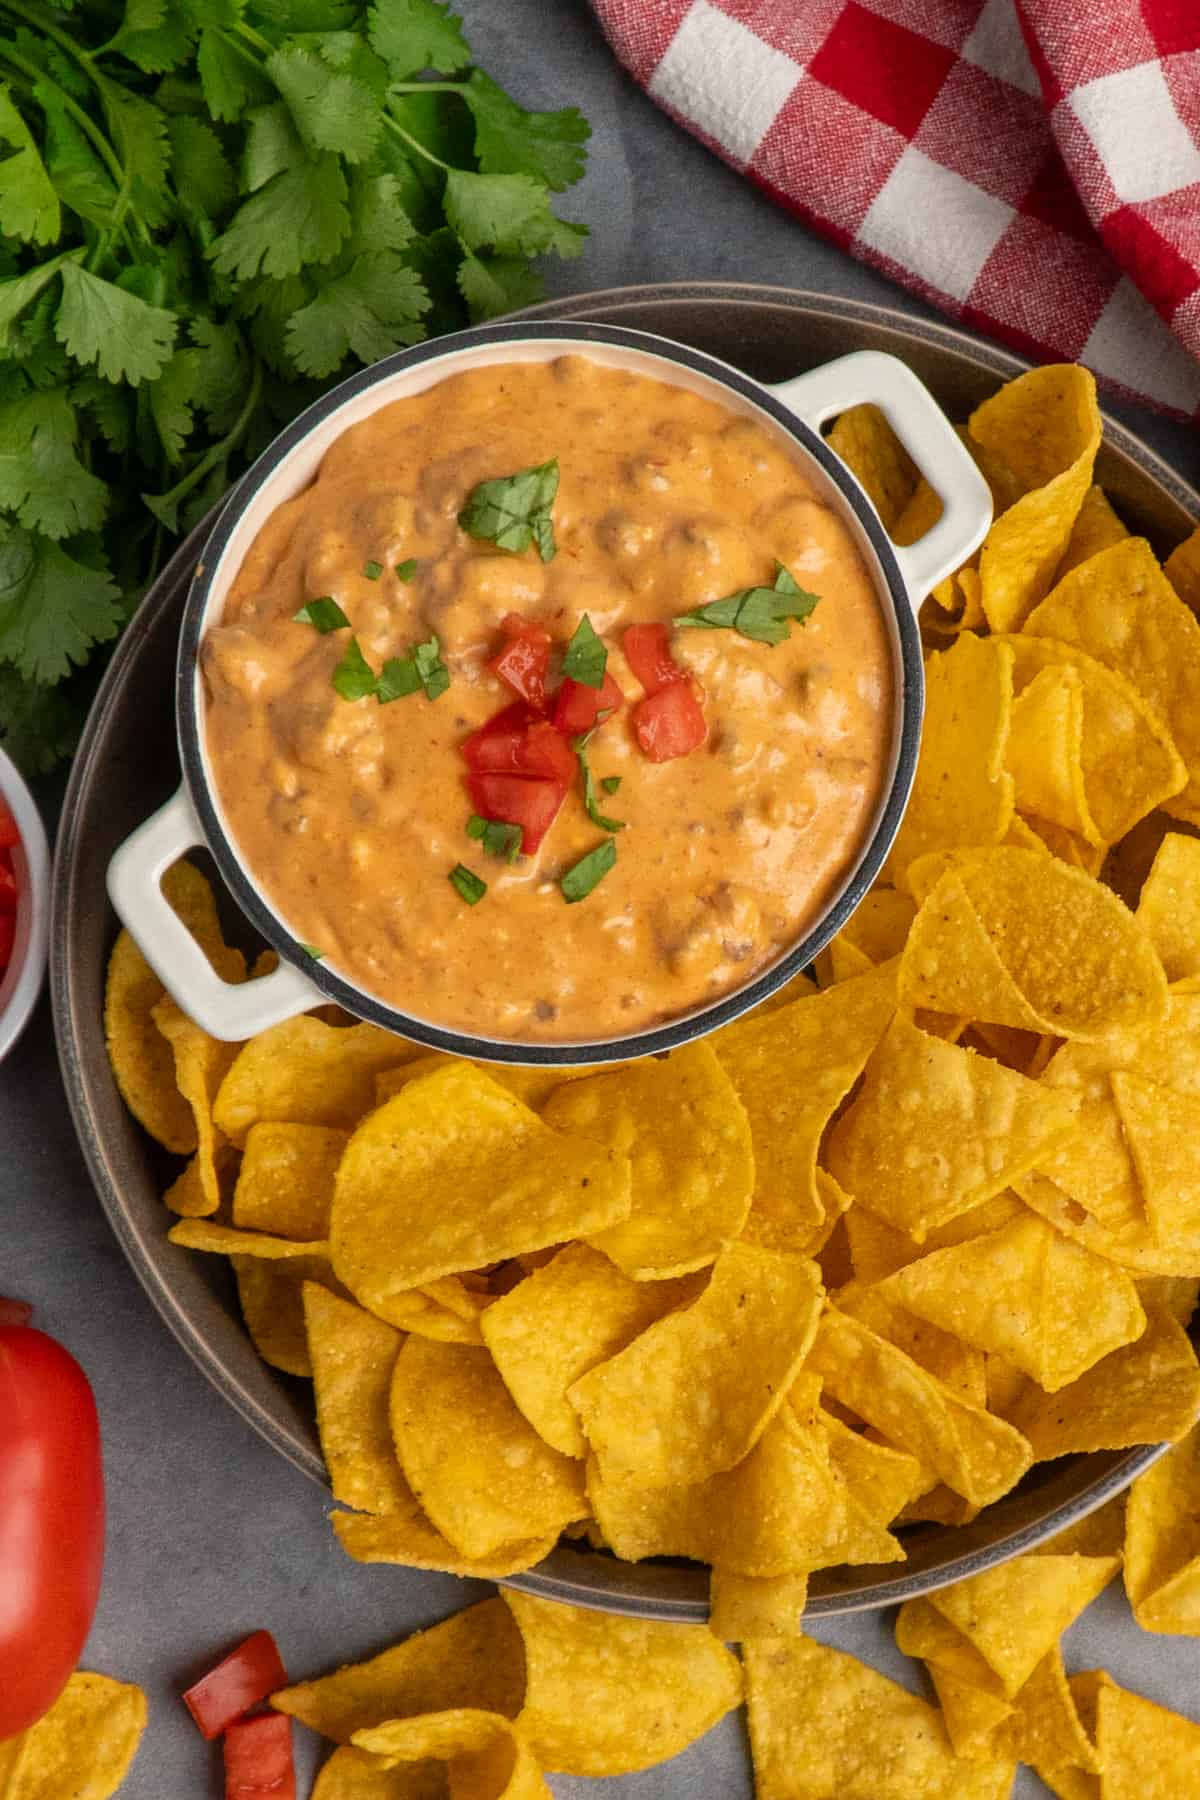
[(24, 903)]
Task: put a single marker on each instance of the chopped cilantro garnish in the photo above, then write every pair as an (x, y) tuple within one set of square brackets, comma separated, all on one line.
[(420, 667), (354, 677), (586, 658), (579, 881), (324, 613), (515, 511), (311, 950), (373, 570), (760, 613), (610, 783), (579, 746), (467, 885), (407, 569), (497, 838)]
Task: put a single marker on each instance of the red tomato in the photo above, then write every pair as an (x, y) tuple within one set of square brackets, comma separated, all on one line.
[(9, 835), (516, 800), (647, 653), (51, 1521), (524, 660), (671, 722), (518, 741), (8, 883), (577, 707), (258, 1759), (246, 1676), (8, 935)]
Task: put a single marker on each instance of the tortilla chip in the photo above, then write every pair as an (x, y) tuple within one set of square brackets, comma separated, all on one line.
[(1146, 1752), (607, 1695), (694, 1393), (458, 1136), (1146, 1393), (271, 1295), (201, 1063), (981, 1458), (878, 1249), (937, 1130), (475, 1464), (1045, 750), (922, 1631), (563, 1320), (1122, 610), (352, 1355), (882, 1479), (187, 1195), (1023, 1292), (873, 453), (225, 1240), (476, 1656), (353, 1775), (486, 1757), (1182, 570), (920, 514), (305, 1072), (1045, 426), (749, 1606), (1014, 1615), (1015, 938), (824, 1726), (1169, 908), (942, 1353), (409, 1539), (1096, 527), (1162, 1129), (285, 1184), (962, 793), (1162, 1542), (83, 1747), (830, 1037), (687, 1138), (970, 1714)]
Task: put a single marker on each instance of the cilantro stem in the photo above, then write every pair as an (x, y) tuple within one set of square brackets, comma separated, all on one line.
[(256, 38), (63, 39), (415, 143), (217, 451), (39, 77)]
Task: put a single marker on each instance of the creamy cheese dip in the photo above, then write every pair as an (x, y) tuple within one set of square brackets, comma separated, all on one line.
[(351, 814)]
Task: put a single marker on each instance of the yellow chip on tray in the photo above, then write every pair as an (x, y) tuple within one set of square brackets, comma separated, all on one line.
[(475, 1464), (1096, 527), (1182, 570), (687, 1138), (83, 1747), (563, 1319), (877, 1249), (936, 1130), (1012, 937), (954, 1362), (606, 1695), (201, 1063), (980, 1457), (970, 1714), (408, 1538), (692, 1395), (1122, 610), (271, 1296), (756, 1606), (1015, 1614), (486, 1756), (1046, 1730), (1162, 1542), (1045, 1304), (307, 1073), (1045, 426), (1169, 908), (962, 793), (881, 1478), (1145, 1751), (874, 454), (285, 1183), (824, 1726), (352, 1355), (454, 1173), (353, 1774), (1162, 1130), (1045, 751), (830, 1037)]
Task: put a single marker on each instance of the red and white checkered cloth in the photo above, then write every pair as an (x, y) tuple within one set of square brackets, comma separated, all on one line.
[(1031, 166)]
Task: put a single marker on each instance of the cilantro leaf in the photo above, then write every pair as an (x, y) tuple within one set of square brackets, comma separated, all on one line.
[(324, 613), (379, 220), (586, 658), (29, 206), (412, 35), (371, 310), (495, 285), (330, 109), (199, 165), (580, 879), (407, 569), (354, 677), (580, 745), (38, 725), (311, 950), (42, 479), (759, 613), (398, 678), (420, 667), (52, 608), (467, 884), (140, 132), (515, 511), (610, 783), (229, 80), (299, 217), (80, 179), (506, 213), (159, 47), (272, 145), (108, 406), (511, 141), (372, 570), (101, 323), (19, 293), (221, 368), (171, 399), (497, 838)]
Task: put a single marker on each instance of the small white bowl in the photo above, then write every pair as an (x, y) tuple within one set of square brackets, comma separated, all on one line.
[(21, 982)]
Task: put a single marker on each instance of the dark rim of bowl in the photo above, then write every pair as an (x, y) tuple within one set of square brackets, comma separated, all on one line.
[(688, 1026)]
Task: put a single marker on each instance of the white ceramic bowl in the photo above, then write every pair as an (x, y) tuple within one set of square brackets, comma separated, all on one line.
[(21, 982)]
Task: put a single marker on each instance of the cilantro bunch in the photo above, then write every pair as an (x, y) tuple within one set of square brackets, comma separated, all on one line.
[(209, 210)]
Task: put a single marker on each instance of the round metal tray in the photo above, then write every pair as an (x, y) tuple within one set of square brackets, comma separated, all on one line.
[(127, 765)]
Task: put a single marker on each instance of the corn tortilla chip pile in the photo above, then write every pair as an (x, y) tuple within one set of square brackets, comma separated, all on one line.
[(82, 1749)]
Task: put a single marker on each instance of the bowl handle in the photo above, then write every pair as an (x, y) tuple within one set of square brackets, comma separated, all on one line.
[(222, 1009), (930, 439)]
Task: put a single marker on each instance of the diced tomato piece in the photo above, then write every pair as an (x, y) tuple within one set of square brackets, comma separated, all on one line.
[(648, 655), (577, 707), (8, 883), (518, 741), (671, 722), (517, 800), (258, 1759), (524, 659), (243, 1678), (8, 937), (9, 835)]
